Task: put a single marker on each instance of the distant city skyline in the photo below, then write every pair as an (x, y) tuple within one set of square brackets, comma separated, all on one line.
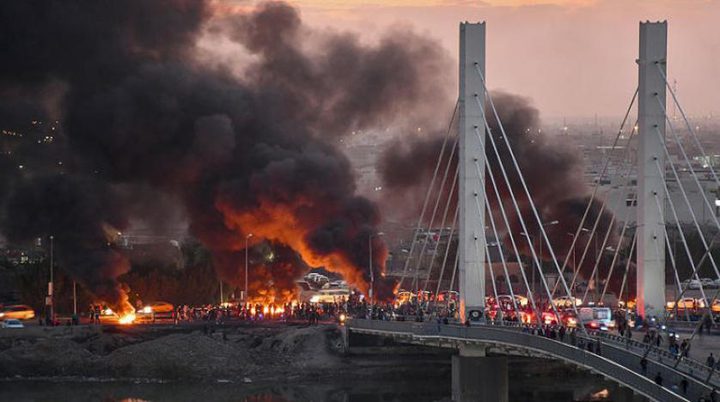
[(573, 58)]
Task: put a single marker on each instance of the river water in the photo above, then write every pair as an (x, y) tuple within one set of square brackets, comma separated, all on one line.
[(525, 386)]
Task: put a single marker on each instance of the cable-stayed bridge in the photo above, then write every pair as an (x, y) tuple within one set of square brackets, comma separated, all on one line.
[(479, 192)]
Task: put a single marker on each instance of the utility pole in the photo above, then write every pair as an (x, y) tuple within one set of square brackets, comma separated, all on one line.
[(370, 265), (74, 298), (247, 259), (51, 284)]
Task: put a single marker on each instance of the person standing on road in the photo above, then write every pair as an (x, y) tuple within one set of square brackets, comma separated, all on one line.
[(710, 361)]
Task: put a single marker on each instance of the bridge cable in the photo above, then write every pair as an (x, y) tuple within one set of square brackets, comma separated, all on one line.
[(677, 222), (687, 123), (597, 186), (501, 206), (618, 246), (447, 249), (687, 201), (627, 268), (527, 194), (497, 241), (498, 198), (431, 224), (516, 206), (689, 164), (676, 276), (610, 229), (427, 196), (455, 270), (598, 218), (444, 215)]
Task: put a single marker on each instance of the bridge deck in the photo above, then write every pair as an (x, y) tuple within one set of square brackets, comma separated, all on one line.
[(618, 360)]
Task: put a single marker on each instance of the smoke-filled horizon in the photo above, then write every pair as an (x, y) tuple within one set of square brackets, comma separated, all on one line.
[(135, 119)]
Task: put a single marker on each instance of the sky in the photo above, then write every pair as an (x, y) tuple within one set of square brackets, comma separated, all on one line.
[(573, 58)]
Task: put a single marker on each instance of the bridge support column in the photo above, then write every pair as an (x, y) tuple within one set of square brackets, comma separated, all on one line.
[(471, 222), (650, 220), (479, 378)]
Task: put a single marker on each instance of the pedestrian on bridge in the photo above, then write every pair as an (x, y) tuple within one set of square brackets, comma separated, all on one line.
[(644, 365), (658, 379), (711, 361), (707, 322), (684, 384)]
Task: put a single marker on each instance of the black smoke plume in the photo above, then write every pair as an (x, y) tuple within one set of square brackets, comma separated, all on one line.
[(553, 173), (119, 108)]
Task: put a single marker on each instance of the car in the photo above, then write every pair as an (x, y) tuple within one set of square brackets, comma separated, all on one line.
[(692, 284), (12, 323), (597, 318), (686, 303), (707, 283), (18, 312), (162, 310)]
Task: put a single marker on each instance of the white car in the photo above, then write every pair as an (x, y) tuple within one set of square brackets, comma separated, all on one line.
[(693, 284), (707, 283), (12, 323)]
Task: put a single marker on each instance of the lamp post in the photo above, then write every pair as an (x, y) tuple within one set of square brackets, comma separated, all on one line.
[(370, 264), (51, 284), (247, 241)]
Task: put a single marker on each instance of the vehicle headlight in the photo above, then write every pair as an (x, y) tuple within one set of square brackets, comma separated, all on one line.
[(147, 309), (2, 314)]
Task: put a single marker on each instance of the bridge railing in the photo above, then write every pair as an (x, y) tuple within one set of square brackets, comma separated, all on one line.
[(692, 368), (512, 335), (688, 366)]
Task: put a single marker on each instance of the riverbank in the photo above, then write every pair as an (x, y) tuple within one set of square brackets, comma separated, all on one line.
[(262, 353)]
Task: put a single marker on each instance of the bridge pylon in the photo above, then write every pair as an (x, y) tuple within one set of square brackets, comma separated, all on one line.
[(651, 137), (471, 222)]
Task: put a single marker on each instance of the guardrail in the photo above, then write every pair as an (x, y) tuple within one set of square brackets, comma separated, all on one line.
[(686, 365), (614, 362)]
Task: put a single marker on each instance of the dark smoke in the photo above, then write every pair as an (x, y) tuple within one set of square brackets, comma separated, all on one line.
[(552, 171), (131, 118)]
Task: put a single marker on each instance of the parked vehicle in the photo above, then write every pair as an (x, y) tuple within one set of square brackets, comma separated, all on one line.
[(12, 323), (597, 318), (707, 283)]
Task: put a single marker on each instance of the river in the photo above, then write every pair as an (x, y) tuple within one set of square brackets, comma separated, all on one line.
[(530, 381)]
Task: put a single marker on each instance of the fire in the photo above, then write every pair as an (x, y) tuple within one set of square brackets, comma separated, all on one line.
[(127, 319), (280, 222)]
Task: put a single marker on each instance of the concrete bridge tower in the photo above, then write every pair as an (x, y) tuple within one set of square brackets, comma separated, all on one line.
[(651, 122), (471, 230)]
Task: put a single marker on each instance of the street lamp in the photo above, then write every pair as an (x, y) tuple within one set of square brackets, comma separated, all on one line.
[(51, 285), (370, 264), (247, 239)]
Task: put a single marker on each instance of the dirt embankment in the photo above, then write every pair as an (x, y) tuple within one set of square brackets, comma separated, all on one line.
[(239, 354)]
